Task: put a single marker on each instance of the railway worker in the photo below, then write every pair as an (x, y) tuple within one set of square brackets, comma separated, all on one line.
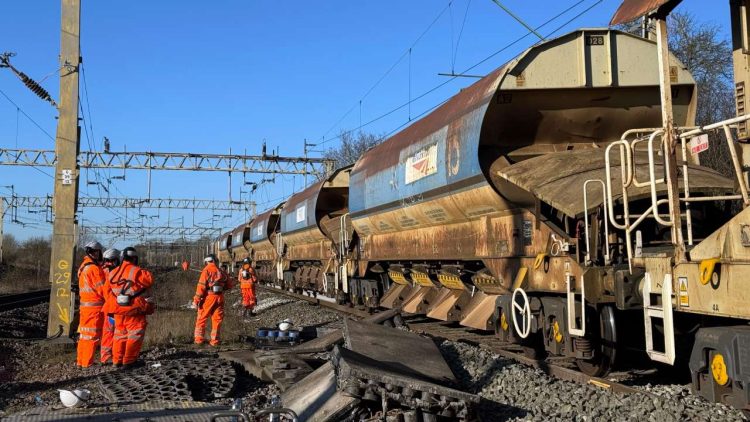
[(247, 285), (185, 265), (209, 300), (129, 300), (111, 261), (91, 281)]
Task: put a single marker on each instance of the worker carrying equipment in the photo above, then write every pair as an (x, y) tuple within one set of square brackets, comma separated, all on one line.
[(129, 300), (111, 261), (209, 299), (91, 281), (247, 285)]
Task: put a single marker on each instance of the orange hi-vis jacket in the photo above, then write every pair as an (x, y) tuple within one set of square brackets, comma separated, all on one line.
[(91, 284), (133, 281), (246, 282), (211, 276)]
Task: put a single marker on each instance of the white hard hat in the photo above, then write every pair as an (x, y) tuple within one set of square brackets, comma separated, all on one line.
[(93, 245), (285, 324), (208, 259), (111, 253), (74, 398)]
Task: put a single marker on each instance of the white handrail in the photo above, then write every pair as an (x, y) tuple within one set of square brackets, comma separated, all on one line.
[(652, 178), (626, 175)]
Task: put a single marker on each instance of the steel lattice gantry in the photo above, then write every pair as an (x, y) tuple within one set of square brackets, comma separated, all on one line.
[(151, 231), (272, 164), (174, 203)]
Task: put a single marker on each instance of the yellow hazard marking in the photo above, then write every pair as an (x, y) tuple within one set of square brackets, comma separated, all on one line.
[(504, 322), (683, 292), (556, 332), (397, 277), (520, 278), (707, 269), (422, 279), (539, 260), (63, 314), (719, 370), (451, 281)]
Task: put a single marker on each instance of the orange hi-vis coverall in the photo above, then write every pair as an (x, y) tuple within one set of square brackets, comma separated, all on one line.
[(91, 280), (133, 285), (209, 299), (108, 328), (247, 285)]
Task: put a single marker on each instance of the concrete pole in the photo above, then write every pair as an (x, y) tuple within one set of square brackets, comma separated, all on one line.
[(67, 143)]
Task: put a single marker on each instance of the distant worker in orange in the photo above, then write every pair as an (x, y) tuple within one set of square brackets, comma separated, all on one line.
[(129, 299), (247, 285), (209, 299), (111, 261), (91, 280)]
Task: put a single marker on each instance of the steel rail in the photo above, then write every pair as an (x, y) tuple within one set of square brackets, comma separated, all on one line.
[(18, 300), (441, 329)]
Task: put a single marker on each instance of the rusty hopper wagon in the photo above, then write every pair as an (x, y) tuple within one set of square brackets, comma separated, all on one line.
[(527, 204), (309, 222), (223, 253), (239, 247), (264, 246)]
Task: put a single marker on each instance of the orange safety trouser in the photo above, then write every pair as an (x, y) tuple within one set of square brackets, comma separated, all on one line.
[(212, 307), (108, 336), (129, 333), (248, 297), (90, 330)]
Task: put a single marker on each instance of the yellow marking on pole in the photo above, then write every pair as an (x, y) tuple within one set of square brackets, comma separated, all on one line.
[(63, 314)]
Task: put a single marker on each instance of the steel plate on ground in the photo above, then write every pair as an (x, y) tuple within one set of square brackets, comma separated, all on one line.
[(398, 352)]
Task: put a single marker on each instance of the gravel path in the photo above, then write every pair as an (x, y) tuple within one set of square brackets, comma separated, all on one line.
[(511, 391)]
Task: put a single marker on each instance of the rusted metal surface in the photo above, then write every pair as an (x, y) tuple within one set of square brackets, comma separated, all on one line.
[(309, 214), (558, 178), (239, 247), (262, 234), (633, 9), (540, 103), (224, 255)]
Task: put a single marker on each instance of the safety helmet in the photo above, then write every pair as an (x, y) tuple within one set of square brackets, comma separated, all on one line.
[(246, 261), (92, 245), (74, 398), (112, 254), (209, 258), (285, 325), (129, 254)]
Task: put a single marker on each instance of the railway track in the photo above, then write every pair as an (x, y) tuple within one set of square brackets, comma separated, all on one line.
[(19, 300), (560, 368)]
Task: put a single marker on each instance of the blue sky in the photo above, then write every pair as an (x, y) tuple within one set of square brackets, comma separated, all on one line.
[(210, 76)]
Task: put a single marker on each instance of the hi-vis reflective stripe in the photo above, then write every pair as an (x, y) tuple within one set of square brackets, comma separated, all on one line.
[(91, 304), (88, 329)]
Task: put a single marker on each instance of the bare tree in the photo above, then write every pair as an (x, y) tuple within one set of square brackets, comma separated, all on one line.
[(352, 147), (708, 56)]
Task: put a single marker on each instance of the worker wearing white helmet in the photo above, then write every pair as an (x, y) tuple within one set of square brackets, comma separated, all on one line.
[(111, 261), (91, 280)]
